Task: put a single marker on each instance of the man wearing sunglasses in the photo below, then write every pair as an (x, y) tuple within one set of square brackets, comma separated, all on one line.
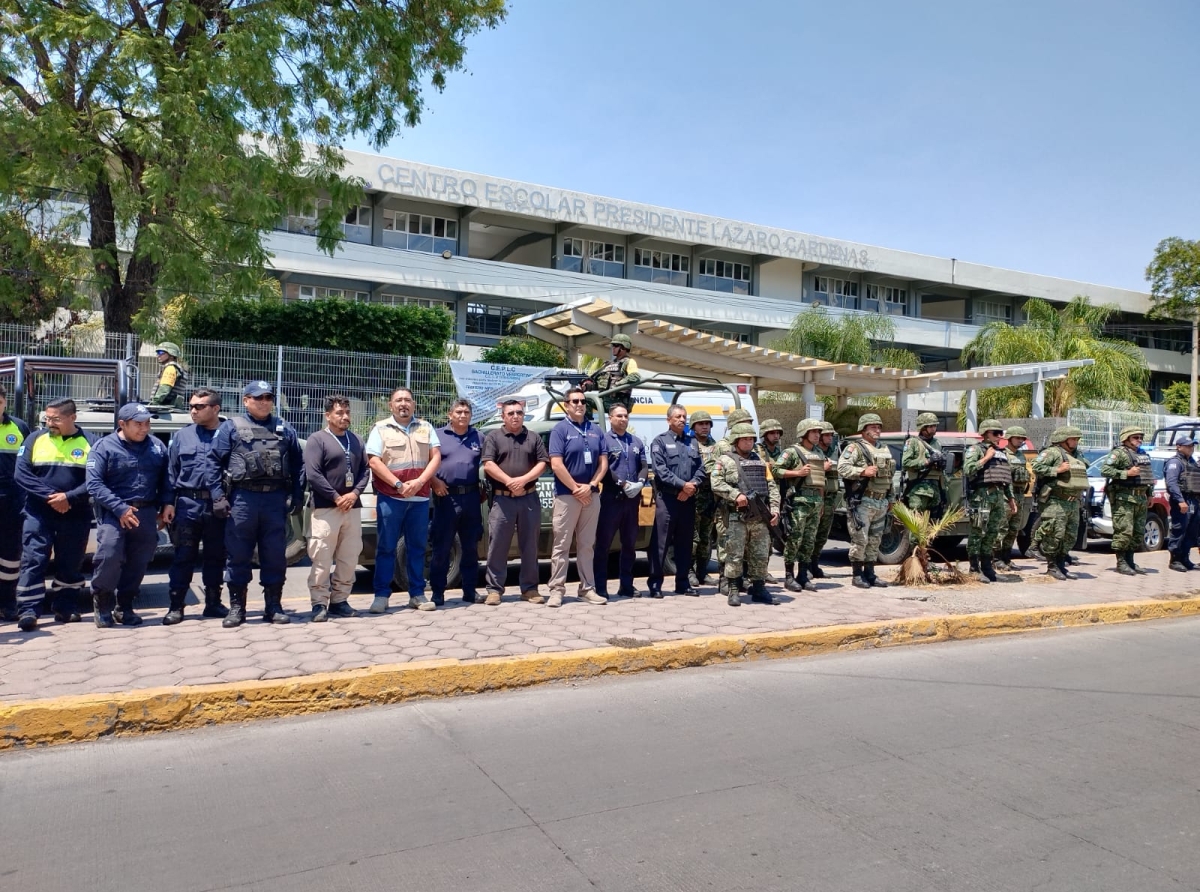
[(195, 522), (254, 477)]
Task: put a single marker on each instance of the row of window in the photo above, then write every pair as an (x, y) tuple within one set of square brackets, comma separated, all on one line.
[(319, 292)]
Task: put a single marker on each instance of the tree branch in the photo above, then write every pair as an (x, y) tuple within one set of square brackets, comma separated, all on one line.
[(23, 96)]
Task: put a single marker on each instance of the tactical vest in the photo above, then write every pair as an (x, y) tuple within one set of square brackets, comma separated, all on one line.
[(832, 455), (1018, 466), (932, 473), (257, 458), (1070, 483), (1189, 477), (1145, 477), (754, 472), (879, 486), (996, 472), (610, 373), (816, 467), (180, 385)]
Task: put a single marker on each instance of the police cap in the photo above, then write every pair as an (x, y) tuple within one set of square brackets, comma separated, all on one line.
[(134, 412), (258, 388)]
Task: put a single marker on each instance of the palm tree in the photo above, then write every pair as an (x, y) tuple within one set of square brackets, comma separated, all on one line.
[(922, 531), (1119, 374)]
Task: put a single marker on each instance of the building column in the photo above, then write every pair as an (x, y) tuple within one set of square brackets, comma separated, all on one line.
[(460, 318), (808, 393), (972, 411), (902, 399), (1039, 398), (377, 199), (463, 249), (755, 277)]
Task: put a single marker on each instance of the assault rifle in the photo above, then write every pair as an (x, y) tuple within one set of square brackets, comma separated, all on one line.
[(758, 509), (940, 508), (855, 490)]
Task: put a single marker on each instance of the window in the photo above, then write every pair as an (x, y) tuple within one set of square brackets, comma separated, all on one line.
[(319, 292), (839, 292), (399, 300), (660, 266), (991, 311), (724, 275), (888, 295), (597, 258), (739, 336), (485, 319), (419, 232), (305, 223), (359, 215)]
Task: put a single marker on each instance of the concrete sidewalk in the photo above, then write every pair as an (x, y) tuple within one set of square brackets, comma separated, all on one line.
[(80, 659)]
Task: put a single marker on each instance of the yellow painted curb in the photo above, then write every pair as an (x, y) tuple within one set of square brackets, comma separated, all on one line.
[(91, 716)]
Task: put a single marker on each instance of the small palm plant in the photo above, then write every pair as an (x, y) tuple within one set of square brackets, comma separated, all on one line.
[(914, 570)]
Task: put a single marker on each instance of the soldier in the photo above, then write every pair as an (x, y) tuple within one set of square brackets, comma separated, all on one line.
[(721, 514), (13, 432), (770, 449), (802, 469), (1183, 489), (989, 476), (1130, 480), (195, 524), (620, 371), (1014, 452), (832, 453), (678, 470), (127, 480), (1062, 480), (173, 378), (924, 464), (736, 477), (701, 424), (868, 468)]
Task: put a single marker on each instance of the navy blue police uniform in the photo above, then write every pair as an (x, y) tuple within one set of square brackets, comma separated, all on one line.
[(195, 523), (676, 461), (1182, 479), (124, 475), (619, 510), (256, 473), (13, 432), (457, 513), (48, 464)]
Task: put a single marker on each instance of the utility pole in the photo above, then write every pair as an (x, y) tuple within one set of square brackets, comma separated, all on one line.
[(1195, 361)]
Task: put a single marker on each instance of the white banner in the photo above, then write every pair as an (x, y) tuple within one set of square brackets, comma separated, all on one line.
[(484, 382)]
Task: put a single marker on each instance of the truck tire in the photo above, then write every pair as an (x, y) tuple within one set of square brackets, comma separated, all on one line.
[(453, 576), (895, 544)]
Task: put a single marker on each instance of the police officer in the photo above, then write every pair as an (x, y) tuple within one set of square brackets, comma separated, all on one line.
[(620, 499), (456, 505), (51, 471), (13, 432), (254, 475), (736, 477), (867, 469), (678, 472), (721, 516), (195, 524), (1062, 481), (1014, 451), (701, 424), (832, 452), (801, 468), (172, 379), (991, 500), (1130, 479), (1182, 476), (619, 372), (923, 463), (127, 480)]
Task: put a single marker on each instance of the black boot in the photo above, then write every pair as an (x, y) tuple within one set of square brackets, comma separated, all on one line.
[(759, 593), (789, 580), (1177, 563), (1062, 566), (1123, 564), (802, 577), (860, 581), (973, 560), (273, 606), (102, 607), (1136, 569), (869, 575), (986, 568), (723, 585), (1054, 571), (175, 611), (212, 603), (237, 608), (815, 571), (734, 586), (124, 613)]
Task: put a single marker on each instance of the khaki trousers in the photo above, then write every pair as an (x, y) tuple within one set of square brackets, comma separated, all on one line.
[(333, 545), (574, 520)]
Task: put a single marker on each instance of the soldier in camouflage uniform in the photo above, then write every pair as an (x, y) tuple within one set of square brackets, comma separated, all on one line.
[(769, 448), (802, 469), (620, 371), (1062, 480), (923, 463), (1014, 452), (1130, 479), (701, 423), (989, 477), (747, 541), (829, 448), (867, 469), (721, 515)]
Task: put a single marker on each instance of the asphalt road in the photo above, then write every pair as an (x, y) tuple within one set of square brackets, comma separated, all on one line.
[(1056, 761)]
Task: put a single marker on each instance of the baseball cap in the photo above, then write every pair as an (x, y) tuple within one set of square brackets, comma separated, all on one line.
[(1185, 441), (258, 388), (134, 412)]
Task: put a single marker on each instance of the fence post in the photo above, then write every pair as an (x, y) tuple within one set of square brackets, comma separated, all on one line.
[(279, 376), (408, 372)]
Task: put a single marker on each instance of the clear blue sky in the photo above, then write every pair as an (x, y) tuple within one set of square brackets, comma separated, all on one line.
[(1057, 137)]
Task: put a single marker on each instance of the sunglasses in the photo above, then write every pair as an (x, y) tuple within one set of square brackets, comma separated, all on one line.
[(269, 397), (576, 402), (197, 406)]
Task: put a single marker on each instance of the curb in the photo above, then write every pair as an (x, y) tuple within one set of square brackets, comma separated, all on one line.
[(92, 716)]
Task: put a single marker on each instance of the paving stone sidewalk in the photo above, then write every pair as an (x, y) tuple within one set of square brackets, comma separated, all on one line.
[(80, 659)]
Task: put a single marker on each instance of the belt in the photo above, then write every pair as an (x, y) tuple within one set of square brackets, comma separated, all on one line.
[(261, 487), (194, 493), (511, 494), (462, 490), (142, 503), (813, 490)]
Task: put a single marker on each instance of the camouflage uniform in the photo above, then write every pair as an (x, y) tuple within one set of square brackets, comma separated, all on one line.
[(705, 506), (1058, 496), (832, 497), (991, 493), (747, 541), (621, 373), (805, 497), (872, 515), (1020, 484), (721, 514), (1129, 496), (923, 459)]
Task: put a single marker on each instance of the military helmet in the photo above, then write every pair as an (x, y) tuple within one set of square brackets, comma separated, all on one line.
[(991, 424), (621, 341), (827, 428), (737, 416), (1016, 431), (808, 424), (742, 429), (926, 418), (169, 347), (771, 424), (698, 416), (869, 418), (1127, 432), (1062, 434)]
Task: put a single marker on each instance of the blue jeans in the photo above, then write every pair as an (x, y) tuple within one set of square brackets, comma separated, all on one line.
[(393, 518)]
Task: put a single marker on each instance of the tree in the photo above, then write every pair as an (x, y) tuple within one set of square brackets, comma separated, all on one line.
[(1174, 277), (923, 532), (524, 350), (40, 269), (193, 126), (1119, 373), (1176, 397)]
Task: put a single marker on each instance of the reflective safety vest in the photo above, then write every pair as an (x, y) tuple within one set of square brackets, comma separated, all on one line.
[(11, 438), (51, 449)]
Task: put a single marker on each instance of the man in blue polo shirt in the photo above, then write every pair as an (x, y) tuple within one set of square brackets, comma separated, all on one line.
[(579, 464), (620, 497), (456, 504)]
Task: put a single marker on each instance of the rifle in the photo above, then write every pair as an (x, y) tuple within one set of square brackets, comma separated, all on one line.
[(855, 490), (940, 508), (758, 509)]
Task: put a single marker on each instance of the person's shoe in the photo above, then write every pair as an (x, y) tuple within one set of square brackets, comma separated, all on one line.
[(1062, 565), (691, 592), (420, 602), (102, 609), (438, 600), (213, 608), (27, 621), (1122, 565), (973, 563), (1002, 565), (869, 575), (1187, 564), (591, 598), (1069, 558), (760, 595), (532, 595), (320, 614), (693, 579), (471, 598), (734, 599), (655, 593), (555, 600), (1140, 571), (379, 605), (789, 578), (493, 599), (237, 609), (723, 585), (859, 581), (771, 580), (273, 606), (342, 609), (802, 579), (1177, 565), (175, 611), (701, 578), (9, 613), (624, 592), (815, 571), (124, 613), (1054, 571), (66, 615), (986, 568)]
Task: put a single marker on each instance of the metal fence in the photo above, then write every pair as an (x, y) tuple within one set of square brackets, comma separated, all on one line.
[(1101, 427)]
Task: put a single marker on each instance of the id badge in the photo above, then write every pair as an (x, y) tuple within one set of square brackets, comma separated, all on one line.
[(587, 457), (350, 479)]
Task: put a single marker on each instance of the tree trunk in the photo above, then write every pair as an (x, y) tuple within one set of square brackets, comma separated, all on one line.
[(120, 300)]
